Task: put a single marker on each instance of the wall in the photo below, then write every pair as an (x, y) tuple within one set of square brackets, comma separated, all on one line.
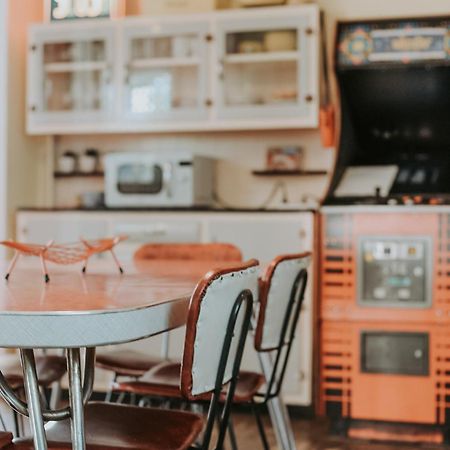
[(237, 152), (27, 156), (3, 117)]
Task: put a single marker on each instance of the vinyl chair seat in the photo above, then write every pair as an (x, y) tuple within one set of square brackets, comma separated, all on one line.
[(111, 426), (50, 368), (164, 381), (5, 439), (127, 363)]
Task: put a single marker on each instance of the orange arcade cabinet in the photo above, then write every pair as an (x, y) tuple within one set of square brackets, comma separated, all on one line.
[(385, 235)]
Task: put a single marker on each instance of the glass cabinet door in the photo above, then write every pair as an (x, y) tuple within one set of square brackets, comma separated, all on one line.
[(73, 76), (265, 67), (165, 72)]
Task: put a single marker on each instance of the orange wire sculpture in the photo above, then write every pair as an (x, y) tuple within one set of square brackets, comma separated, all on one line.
[(63, 253)]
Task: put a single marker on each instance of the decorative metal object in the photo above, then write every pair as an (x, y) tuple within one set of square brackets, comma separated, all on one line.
[(63, 254)]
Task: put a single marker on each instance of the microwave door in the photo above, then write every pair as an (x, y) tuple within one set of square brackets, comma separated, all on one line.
[(139, 179)]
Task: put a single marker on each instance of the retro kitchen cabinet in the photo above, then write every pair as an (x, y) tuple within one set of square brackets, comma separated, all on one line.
[(227, 70)]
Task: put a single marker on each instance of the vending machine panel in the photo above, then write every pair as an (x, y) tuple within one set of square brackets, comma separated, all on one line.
[(395, 272), (394, 353)]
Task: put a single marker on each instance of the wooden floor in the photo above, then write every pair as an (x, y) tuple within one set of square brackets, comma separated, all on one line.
[(310, 435)]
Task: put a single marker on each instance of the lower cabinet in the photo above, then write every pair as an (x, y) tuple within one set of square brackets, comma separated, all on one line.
[(261, 235)]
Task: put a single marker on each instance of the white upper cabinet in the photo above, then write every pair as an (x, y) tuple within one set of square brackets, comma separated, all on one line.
[(268, 66), (165, 68), (71, 76), (227, 70)]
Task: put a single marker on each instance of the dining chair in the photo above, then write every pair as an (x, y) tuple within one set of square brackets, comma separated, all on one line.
[(281, 293), (132, 364), (50, 369), (217, 324), (214, 251)]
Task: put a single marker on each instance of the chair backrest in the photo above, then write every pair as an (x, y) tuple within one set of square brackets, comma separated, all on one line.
[(218, 322), (192, 251), (281, 295), (209, 312)]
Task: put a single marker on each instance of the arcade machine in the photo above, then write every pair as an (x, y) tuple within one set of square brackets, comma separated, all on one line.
[(385, 235)]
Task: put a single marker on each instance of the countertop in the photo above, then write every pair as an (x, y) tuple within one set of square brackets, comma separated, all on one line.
[(307, 208)]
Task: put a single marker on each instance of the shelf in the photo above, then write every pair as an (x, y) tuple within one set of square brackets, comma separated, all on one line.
[(163, 62), (289, 173), (78, 175), (85, 66), (242, 58)]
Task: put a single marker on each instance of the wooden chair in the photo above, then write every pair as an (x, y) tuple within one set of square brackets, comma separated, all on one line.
[(126, 363), (281, 294), (218, 321)]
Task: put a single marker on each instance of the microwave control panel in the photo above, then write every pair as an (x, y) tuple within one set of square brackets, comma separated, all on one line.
[(395, 272)]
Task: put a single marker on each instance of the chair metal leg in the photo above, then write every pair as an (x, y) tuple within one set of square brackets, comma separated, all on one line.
[(277, 410), (55, 396), (108, 396), (121, 397), (232, 435), (3, 423), (16, 424), (165, 344), (260, 425), (144, 402)]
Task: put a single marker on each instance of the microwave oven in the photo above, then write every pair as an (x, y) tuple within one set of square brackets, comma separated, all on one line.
[(150, 179)]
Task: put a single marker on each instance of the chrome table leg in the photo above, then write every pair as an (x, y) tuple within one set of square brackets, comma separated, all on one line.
[(76, 399), (55, 395), (33, 398), (56, 391), (277, 410)]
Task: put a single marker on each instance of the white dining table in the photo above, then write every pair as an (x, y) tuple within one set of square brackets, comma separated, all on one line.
[(79, 312)]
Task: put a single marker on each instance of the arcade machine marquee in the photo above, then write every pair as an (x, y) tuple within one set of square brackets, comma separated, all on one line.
[(385, 235)]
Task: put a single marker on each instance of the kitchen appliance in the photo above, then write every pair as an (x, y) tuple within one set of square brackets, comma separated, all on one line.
[(155, 179), (385, 235)]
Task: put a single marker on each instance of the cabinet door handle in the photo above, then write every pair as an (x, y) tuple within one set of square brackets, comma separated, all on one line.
[(221, 70), (302, 233), (208, 102)]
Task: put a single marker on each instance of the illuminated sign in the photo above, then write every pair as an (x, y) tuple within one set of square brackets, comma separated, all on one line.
[(401, 42), (80, 9)]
